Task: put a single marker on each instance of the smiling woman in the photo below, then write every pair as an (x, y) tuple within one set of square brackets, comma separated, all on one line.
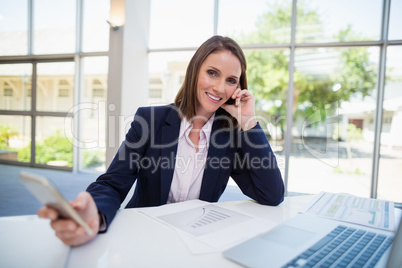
[(187, 150)]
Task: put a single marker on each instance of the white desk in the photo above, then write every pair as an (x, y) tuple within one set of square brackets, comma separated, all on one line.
[(133, 240)]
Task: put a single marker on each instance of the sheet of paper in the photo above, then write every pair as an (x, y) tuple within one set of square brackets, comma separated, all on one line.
[(215, 226), (349, 208)]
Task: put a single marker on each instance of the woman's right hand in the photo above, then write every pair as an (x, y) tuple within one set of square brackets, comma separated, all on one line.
[(68, 230)]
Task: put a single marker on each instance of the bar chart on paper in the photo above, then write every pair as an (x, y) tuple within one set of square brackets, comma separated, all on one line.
[(203, 220)]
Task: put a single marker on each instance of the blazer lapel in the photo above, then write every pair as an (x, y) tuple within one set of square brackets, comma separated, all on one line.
[(169, 140)]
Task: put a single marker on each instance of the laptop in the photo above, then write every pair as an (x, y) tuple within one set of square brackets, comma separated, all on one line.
[(311, 241)]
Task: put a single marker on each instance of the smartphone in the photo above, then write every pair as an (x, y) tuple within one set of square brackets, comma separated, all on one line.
[(230, 101), (49, 196)]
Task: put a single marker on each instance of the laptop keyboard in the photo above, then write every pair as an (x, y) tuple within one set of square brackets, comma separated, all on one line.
[(344, 247)]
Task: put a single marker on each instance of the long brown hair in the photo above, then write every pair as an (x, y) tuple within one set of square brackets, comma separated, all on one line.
[(186, 98)]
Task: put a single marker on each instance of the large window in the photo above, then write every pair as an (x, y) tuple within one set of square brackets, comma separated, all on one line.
[(328, 100), (53, 83)]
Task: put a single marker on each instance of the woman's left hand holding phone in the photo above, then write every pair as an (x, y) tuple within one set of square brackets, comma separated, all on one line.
[(243, 109), (68, 230)]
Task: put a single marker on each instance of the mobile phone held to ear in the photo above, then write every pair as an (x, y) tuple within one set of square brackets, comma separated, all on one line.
[(49, 196), (230, 101)]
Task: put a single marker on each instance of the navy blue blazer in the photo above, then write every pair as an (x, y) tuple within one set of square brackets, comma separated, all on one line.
[(148, 156)]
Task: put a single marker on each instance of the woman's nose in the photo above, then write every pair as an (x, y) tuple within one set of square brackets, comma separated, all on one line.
[(219, 86)]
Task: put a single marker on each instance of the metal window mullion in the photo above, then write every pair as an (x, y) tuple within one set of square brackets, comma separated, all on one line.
[(77, 118), (78, 26), (94, 54), (395, 42), (30, 27), (289, 97), (52, 114), (380, 99), (216, 16), (50, 57), (32, 113), (15, 112), (77, 82)]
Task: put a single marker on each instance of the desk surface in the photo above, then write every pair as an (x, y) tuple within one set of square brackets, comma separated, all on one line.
[(149, 243), (133, 239)]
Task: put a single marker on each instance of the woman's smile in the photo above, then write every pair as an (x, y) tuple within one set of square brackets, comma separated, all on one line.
[(213, 98)]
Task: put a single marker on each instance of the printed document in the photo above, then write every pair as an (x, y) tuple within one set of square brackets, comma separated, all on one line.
[(349, 208), (215, 226)]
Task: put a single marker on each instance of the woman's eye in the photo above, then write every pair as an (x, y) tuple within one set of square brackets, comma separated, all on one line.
[(211, 72), (232, 81)]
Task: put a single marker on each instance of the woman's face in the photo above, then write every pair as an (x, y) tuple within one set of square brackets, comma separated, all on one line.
[(218, 78)]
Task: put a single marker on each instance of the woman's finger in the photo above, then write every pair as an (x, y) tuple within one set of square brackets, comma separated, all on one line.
[(234, 95), (243, 96), (47, 213), (63, 225)]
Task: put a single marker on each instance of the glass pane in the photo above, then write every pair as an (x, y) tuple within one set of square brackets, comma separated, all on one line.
[(334, 113), (255, 21), (389, 178), (166, 75), (55, 86), (395, 21), (338, 21), (13, 27), (54, 26), (95, 36), (92, 136), (54, 145), (15, 138), (180, 23), (15, 86), (267, 78)]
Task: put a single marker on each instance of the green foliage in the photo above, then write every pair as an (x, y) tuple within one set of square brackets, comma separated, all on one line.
[(59, 148), (24, 154), (268, 70), (6, 133), (53, 148), (355, 171), (353, 133), (93, 158)]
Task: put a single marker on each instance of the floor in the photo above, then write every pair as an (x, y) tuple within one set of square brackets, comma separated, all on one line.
[(16, 200)]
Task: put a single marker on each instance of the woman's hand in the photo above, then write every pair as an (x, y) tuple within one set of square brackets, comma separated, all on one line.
[(243, 109), (68, 230)]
